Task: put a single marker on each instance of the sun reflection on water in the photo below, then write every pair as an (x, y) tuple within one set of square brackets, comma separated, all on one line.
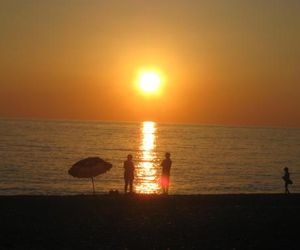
[(146, 170)]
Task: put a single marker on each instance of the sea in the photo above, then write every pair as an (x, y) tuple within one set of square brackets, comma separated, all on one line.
[(35, 156)]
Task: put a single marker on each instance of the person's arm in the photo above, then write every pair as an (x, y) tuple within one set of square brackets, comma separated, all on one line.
[(170, 166)]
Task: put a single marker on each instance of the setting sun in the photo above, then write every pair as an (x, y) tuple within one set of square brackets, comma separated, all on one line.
[(149, 81)]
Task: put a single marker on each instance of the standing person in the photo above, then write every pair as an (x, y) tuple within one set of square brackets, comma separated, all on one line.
[(166, 168), (128, 173), (287, 180)]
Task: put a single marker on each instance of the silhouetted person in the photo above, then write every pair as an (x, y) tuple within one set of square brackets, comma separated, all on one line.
[(128, 173), (166, 168), (287, 180)]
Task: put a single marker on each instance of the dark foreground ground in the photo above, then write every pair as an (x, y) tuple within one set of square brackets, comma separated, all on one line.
[(150, 222)]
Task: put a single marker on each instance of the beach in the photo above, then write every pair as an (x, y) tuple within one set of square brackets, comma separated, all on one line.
[(239, 221)]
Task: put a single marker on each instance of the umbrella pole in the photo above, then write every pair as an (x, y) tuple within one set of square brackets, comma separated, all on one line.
[(93, 185)]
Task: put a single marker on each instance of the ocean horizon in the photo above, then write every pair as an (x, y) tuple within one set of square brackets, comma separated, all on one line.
[(207, 159)]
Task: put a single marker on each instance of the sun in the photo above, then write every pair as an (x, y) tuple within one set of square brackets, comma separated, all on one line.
[(149, 81)]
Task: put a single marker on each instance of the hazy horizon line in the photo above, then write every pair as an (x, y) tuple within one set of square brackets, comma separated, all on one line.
[(141, 121)]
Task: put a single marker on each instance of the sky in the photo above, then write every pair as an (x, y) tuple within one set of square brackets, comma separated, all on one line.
[(233, 62)]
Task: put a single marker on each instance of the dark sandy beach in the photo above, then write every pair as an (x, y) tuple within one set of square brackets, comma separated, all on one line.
[(150, 222)]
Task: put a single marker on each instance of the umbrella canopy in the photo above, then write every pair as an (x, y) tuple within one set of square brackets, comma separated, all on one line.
[(89, 168)]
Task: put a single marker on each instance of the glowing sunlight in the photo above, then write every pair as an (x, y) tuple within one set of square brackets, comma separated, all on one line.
[(149, 81), (146, 169)]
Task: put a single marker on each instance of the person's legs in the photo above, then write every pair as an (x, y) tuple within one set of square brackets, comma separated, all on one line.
[(167, 184), (286, 188), (126, 185), (131, 185), (164, 184)]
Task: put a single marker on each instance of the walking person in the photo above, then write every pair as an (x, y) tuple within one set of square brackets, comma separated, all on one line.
[(128, 174), (166, 168), (287, 180)]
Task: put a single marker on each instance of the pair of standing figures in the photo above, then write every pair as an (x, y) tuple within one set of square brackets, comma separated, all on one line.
[(129, 173)]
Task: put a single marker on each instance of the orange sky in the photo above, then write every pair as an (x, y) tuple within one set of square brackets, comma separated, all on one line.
[(226, 62)]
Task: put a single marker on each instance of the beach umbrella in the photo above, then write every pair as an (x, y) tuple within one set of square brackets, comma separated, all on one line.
[(89, 168)]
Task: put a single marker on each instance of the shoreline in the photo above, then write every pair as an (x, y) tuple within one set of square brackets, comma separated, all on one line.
[(137, 197), (152, 195)]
